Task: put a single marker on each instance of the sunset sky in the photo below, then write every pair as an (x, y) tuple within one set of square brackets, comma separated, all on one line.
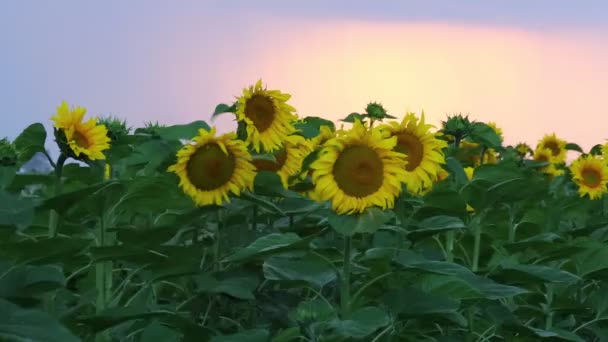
[(533, 67)]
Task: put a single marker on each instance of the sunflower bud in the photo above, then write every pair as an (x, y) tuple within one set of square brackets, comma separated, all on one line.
[(152, 129), (457, 126), (8, 153), (375, 110), (117, 128)]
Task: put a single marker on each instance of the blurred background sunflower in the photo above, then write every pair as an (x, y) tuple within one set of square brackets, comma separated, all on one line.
[(556, 145), (214, 167), (288, 160)]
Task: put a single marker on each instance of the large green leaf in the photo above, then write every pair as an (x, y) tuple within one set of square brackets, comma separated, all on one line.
[(274, 242), (360, 323), (369, 221), (255, 335), (15, 210), (539, 273), (29, 281), (18, 324), (239, 286), (30, 142), (177, 132), (434, 225), (310, 268), (413, 302)]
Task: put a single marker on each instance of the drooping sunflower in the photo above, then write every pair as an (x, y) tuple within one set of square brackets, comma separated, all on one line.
[(523, 149), (496, 129), (556, 145), (359, 170), (267, 116), (421, 147), (213, 167), (288, 160), (590, 174), (83, 138)]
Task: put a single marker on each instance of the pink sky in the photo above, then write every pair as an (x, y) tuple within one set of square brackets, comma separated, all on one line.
[(175, 63), (529, 83)]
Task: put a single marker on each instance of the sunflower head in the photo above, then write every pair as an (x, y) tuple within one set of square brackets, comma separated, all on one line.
[(590, 174), (359, 170), (78, 139), (458, 126), (523, 149), (556, 145), (212, 168), (375, 111), (496, 129), (288, 160), (8, 153), (422, 149), (605, 151), (267, 117)]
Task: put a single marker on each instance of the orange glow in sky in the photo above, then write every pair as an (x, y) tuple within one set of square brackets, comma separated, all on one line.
[(529, 83)]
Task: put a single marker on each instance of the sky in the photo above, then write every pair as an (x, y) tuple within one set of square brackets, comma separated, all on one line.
[(533, 67)]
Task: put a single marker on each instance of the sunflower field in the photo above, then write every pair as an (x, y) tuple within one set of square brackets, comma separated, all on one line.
[(385, 228)]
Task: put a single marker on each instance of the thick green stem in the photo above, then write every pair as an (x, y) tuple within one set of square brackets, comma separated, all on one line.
[(103, 276), (54, 216), (216, 241), (345, 281), (254, 218), (476, 246), (548, 310), (449, 248)]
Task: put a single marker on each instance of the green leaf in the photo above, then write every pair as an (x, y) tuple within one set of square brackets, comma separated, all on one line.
[(262, 202), (367, 222), (224, 108), (15, 210), (311, 269), (7, 176), (17, 324), (361, 323), (268, 183), (255, 335), (413, 302), (178, 132), (355, 116), (239, 286), (485, 135), (574, 147), (274, 242), (29, 281), (30, 142), (156, 332), (434, 225), (539, 273), (44, 251), (455, 168)]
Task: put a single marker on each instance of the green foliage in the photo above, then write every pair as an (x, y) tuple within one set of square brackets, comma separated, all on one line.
[(508, 255)]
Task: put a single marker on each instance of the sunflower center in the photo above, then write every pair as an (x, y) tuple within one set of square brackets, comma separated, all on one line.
[(261, 110), (591, 177), (542, 158), (412, 148), (553, 146), (81, 140), (358, 171), (269, 165), (209, 167)]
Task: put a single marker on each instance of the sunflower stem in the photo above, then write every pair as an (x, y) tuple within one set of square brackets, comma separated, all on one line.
[(449, 248), (103, 277), (345, 281), (54, 216), (476, 246), (483, 153), (290, 222), (254, 218), (216, 241)]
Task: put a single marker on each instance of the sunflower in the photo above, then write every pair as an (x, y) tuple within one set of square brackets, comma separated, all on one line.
[(267, 116), (288, 160), (469, 172), (556, 145), (605, 151), (546, 155), (83, 138), (359, 170), (325, 133), (496, 129), (213, 167), (523, 149), (421, 147), (590, 173)]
